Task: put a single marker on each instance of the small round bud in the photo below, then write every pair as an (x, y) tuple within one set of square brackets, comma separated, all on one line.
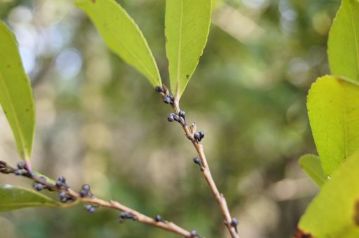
[(61, 182), (19, 172), (38, 186), (167, 99), (86, 187), (90, 208), (63, 197), (182, 114), (198, 136), (159, 89), (158, 218), (21, 165), (170, 117), (197, 161), (194, 234)]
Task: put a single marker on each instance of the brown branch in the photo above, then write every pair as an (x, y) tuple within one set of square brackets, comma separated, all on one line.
[(195, 137), (69, 197)]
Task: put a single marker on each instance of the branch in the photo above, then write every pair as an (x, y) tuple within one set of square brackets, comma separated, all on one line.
[(69, 197), (196, 137)]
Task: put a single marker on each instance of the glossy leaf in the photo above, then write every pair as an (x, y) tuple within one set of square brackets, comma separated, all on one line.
[(15, 93), (343, 43), (311, 165), (12, 198), (187, 27), (333, 108), (335, 211), (122, 36)]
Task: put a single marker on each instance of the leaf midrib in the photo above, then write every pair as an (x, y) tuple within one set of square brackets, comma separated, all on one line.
[(179, 49)]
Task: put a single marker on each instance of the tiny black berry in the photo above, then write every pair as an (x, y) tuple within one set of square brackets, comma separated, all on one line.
[(61, 182), (197, 161), (85, 191), (182, 114), (158, 218), (167, 99), (38, 186), (21, 165), (19, 172), (170, 117), (194, 234), (159, 89), (198, 136), (90, 208), (63, 197)]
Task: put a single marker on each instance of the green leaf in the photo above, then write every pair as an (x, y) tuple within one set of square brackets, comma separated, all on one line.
[(15, 93), (334, 213), (12, 198), (333, 108), (187, 27), (122, 36), (311, 165), (343, 43)]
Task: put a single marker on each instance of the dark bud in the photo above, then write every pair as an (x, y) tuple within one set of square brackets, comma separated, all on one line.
[(182, 114), (61, 182), (197, 161), (194, 234), (38, 186), (19, 172), (171, 117), (198, 136), (234, 223), (159, 89), (126, 216), (158, 218), (167, 99), (21, 165), (90, 208), (63, 196), (85, 191)]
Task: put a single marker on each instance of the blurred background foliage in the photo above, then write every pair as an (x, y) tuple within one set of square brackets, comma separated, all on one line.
[(100, 122)]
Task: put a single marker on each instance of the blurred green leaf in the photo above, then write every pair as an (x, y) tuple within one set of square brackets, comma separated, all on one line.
[(311, 165), (343, 43), (333, 108), (15, 93), (12, 198), (335, 211), (187, 27), (122, 36)]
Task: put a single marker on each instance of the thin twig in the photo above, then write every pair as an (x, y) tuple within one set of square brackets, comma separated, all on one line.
[(190, 133), (72, 198)]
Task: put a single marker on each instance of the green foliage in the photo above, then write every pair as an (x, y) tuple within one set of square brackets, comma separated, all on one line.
[(333, 108), (187, 27), (335, 211), (122, 36), (16, 197), (343, 44), (311, 165), (15, 93)]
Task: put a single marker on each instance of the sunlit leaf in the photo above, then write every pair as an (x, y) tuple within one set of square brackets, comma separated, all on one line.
[(335, 211), (122, 36), (12, 198), (343, 43), (311, 165), (333, 108), (15, 93), (187, 27)]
